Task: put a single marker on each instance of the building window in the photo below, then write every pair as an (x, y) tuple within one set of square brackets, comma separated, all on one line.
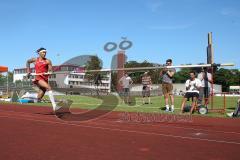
[(52, 76), (63, 68), (53, 83)]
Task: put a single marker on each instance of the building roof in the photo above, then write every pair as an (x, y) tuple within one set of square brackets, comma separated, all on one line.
[(79, 60), (55, 68), (3, 69)]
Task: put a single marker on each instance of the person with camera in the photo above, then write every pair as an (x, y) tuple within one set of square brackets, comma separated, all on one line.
[(167, 84)]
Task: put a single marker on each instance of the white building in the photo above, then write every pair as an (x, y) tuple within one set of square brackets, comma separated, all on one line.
[(74, 75), (234, 89)]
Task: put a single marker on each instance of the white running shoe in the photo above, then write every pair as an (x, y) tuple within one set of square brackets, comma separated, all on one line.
[(230, 114), (63, 106), (57, 109)]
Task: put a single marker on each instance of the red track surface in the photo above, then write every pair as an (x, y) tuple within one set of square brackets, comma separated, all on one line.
[(30, 133)]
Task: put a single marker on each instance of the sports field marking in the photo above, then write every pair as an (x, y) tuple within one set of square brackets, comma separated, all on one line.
[(123, 106), (26, 114), (172, 126), (32, 115), (122, 130)]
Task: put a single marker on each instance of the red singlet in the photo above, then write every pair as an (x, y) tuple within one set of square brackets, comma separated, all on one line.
[(41, 66)]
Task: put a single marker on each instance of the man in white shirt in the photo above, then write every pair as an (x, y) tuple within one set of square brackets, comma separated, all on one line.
[(126, 82), (236, 112), (206, 80), (146, 82), (192, 91)]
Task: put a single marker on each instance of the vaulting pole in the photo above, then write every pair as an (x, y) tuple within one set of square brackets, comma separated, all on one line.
[(143, 68)]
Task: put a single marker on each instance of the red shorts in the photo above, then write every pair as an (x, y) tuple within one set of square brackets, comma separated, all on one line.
[(38, 78)]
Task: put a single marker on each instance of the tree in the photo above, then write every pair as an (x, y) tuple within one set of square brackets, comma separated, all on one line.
[(114, 81), (10, 76), (3, 78), (227, 77), (93, 64), (182, 75), (224, 77), (137, 74)]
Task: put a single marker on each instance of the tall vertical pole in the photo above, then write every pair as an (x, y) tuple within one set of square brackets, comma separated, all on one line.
[(7, 85), (121, 58), (210, 49), (210, 61), (110, 81)]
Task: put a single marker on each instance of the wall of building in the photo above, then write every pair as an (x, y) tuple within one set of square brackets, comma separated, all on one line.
[(76, 80), (178, 89)]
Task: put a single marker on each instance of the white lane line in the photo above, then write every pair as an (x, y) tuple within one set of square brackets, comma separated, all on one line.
[(125, 130), (32, 115), (171, 126)]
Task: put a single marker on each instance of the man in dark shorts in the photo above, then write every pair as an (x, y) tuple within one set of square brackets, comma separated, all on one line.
[(146, 82), (192, 91), (167, 84)]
